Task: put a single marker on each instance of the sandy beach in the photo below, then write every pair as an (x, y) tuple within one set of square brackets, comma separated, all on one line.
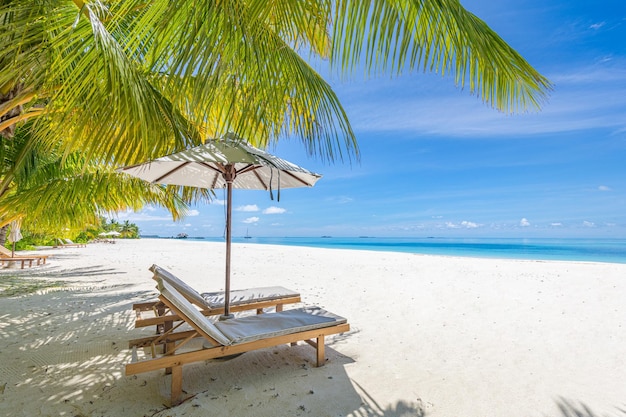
[(430, 336)]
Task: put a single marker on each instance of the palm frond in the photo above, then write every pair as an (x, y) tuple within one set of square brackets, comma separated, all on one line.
[(78, 200), (437, 36)]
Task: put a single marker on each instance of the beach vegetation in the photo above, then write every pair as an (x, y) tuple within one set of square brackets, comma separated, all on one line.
[(63, 195), (88, 86)]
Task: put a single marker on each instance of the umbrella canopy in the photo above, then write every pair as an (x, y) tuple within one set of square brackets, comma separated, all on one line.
[(228, 162), (218, 163), (15, 234)]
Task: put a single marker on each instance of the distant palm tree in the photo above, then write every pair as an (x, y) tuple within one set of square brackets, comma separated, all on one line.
[(129, 230)]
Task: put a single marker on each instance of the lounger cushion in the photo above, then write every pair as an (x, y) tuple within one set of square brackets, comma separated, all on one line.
[(263, 326), (179, 301), (189, 293), (216, 299)]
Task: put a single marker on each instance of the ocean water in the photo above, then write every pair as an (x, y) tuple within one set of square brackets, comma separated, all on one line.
[(588, 250)]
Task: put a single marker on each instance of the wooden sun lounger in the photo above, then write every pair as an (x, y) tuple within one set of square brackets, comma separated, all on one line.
[(7, 256), (231, 336), (22, 259), (157, 313), (66, 243)]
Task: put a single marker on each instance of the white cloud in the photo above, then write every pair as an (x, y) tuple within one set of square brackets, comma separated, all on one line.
[(469, 225), (604, 188), (565, 112), (142, 216), (274, 210), (218, 202), (251, 220), (193, 213), (341, 199), (589, 224), (464, 224), (249, 208), (597, 25), (557, 224), (524, 222)]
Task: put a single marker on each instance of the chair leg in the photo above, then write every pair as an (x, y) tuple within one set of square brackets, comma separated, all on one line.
[(177, 384), (320, 351)]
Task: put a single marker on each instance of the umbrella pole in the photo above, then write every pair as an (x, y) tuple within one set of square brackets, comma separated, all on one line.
[(229, 210)]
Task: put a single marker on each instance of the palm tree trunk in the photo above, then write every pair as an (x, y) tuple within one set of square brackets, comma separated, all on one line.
[(3, 234)]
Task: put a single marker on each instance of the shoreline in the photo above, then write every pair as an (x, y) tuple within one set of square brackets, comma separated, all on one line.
[(605, 250), (448, 336)]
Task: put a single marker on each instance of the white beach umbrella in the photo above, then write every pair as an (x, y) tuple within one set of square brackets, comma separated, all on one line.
[(228, 162), (15, 234)]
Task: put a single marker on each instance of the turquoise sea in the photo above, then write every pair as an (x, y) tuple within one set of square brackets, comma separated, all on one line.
[(591, 250)]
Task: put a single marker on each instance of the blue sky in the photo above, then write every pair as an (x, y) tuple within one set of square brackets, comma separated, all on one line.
[(436, 161)]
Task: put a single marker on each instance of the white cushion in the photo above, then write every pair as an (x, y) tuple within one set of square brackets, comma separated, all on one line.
[(216, 299), (182, 287), (264, 326), (182, 304)]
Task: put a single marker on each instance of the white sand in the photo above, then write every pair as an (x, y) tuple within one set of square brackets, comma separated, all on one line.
[(435, 336)]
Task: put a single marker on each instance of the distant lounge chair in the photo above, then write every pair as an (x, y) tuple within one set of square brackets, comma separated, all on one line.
[(67, 243), (230, 337), (103, 240), (7, 256), (157, 313)]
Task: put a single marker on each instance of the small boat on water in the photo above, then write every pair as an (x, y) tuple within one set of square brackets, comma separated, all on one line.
[(247, 236)]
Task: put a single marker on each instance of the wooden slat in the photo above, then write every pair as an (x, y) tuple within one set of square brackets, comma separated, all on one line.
[(147, 341)]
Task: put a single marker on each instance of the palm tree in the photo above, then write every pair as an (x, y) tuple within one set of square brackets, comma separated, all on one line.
[(123, 81), (129, 230), (230, 65), (52, 193)]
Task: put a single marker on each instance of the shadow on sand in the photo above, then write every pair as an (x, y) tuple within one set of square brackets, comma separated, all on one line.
[(571, 408), (19, 282), (78, 370)]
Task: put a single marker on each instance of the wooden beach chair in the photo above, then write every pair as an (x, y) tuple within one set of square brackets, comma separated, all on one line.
[(67, 243), (230, 337), (7, 256), (157, 313)]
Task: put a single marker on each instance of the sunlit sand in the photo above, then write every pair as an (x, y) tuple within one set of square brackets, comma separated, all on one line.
[(435, 336)]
